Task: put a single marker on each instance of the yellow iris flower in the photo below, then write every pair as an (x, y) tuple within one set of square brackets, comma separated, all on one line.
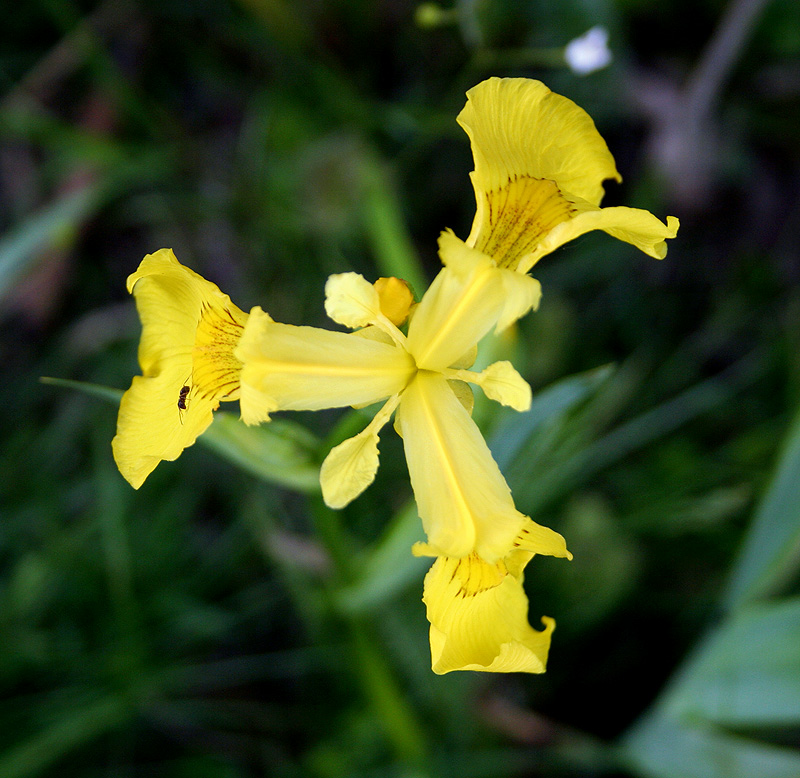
[(189, 330), (467, 511), (540, 165)]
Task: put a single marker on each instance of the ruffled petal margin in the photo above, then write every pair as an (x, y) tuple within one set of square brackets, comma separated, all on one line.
[(189, 328), (478, 614), (519, 129)]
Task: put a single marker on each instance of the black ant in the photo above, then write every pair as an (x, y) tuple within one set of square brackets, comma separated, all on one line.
[(182, 399)]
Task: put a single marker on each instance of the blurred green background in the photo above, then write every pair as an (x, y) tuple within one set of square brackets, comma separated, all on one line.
[(220, 622)]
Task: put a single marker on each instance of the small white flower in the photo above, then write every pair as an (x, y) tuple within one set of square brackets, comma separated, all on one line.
[(589, 52)]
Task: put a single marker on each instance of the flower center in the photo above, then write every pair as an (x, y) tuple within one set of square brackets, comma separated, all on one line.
[(516, 216), (475, 575), (215, 370)]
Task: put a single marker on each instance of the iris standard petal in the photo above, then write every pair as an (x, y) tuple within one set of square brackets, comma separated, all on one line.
[(350, 467), (285, 367), (463, 500), (478, 614)]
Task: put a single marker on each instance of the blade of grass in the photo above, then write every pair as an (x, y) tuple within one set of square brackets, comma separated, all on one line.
[(770, 555), (56, 223)]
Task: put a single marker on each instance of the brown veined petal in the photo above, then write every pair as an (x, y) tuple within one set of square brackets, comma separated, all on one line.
[(478, 614), (636, 226), (189, 331), (535, 151)]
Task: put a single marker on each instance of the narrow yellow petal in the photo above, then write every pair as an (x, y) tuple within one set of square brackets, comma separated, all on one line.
[(189, 331), (350, 467), (306, 368), (463, 500), (479, 619), (351, 300), (462, 304), (501, 383), (533, 538)]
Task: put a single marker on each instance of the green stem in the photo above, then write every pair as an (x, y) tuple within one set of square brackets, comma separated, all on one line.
[(370, 662), (386, 228), (386, 697)]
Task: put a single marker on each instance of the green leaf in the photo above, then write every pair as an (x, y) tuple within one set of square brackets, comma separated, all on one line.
[(662, 747), (746, 673), (21, 248), (70, 730), (771, 552), (511, 436), (389, 566), (280, 452), (107, 393)]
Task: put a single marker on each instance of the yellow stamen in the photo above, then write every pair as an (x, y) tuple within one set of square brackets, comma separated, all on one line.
[(395, 297)]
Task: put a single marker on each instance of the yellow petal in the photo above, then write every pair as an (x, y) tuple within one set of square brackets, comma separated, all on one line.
[(519, 128), (632, 225), (533, 538), (534, 150), (502, 383), (189, 330), (306, 368), (462, 304), (351, 300), (522, 294), (151, 427), (479, 619), (463, 499), (539, 170), (350, 467)]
